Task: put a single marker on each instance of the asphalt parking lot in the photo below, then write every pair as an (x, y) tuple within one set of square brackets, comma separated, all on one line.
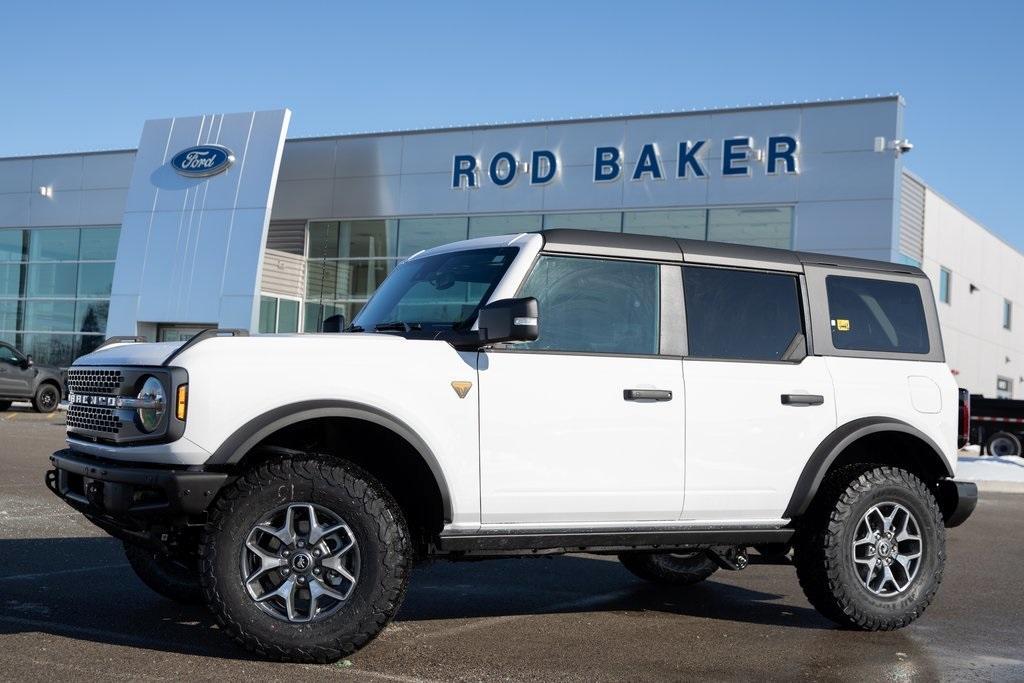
[(70, 607)]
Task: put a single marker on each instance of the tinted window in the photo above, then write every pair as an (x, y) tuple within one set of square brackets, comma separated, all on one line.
[(876, 315), (740, 314), (596, 306)]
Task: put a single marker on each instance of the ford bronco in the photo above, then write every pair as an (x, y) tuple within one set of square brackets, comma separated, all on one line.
[(675, 403)]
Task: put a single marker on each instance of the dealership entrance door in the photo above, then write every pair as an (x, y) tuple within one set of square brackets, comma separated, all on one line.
[(166, 333)]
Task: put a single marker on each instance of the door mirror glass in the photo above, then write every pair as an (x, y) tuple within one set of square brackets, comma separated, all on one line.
[(29, 362), (509, 320)]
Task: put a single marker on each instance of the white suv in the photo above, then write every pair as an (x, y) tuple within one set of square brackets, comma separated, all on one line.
[(672, 402)]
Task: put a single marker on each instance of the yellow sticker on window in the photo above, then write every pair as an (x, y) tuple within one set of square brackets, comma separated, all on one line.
[(842, 325)]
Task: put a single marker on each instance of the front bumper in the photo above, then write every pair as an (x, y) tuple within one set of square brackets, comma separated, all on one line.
[(957, 500), (118, 492)]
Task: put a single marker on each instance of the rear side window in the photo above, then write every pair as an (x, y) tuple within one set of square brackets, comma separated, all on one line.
[(876, 315), (740, 314)]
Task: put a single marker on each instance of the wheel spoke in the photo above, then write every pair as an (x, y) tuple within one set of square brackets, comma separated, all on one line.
[(335, 563), (318, 588), (316, 533), (267, 561)]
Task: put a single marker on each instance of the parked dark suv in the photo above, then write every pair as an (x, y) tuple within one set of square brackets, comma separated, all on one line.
[(21, 380)]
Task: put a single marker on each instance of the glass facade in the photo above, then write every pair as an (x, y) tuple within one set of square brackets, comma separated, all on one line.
[(347, 260), (55, 290), (278, 314)]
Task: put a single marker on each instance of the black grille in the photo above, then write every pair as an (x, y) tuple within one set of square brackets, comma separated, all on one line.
[(83, 381), (93, 418)]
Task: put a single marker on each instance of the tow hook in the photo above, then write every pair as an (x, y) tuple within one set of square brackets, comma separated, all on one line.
[(733, 557)]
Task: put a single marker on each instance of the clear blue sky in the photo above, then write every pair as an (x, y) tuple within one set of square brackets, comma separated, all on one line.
[(85, 75)]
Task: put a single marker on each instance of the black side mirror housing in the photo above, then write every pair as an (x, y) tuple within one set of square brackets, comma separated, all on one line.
[(334, 323), (29, 362), (509, 320)]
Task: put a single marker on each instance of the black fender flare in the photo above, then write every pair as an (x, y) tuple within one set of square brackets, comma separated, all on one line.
[(236, 446), (835, 443)]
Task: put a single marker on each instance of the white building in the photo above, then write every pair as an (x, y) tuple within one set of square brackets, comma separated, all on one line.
[(294, 230)]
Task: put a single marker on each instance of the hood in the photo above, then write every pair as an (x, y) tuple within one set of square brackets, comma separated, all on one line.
[(129, 354), (150, 354)]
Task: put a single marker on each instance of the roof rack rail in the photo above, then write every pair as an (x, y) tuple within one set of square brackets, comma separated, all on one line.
[(205, 334), (120, 340)]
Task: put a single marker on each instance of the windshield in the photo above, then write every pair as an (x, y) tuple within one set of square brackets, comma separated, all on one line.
[(444, 290)]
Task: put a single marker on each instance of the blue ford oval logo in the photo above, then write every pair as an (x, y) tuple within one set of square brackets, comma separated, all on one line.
[(202, 161)]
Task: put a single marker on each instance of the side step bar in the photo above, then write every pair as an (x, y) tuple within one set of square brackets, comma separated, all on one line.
[(629, 538)]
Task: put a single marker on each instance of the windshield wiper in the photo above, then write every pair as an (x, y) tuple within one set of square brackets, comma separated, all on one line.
[(397, 325)]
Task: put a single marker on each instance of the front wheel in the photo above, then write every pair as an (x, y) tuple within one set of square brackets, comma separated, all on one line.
[(305, 559), (46, 399), (870, 552), (675, 569)]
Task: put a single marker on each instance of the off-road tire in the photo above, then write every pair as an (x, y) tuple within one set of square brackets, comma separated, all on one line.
[(47, 398), (823, 547), (377, 524), (5, 405), (170, 577), (674, 569)]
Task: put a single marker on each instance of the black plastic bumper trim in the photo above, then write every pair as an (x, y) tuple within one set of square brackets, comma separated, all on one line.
[(110, 488), (593, 539), (957, 500)]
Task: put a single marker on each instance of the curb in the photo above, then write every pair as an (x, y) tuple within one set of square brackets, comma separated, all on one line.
[(1000, 486)]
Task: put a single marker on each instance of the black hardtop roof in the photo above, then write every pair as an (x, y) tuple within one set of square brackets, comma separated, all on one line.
[(651, 247)]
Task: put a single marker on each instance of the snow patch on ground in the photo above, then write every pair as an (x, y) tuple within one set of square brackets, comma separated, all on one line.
[(1006, 470)]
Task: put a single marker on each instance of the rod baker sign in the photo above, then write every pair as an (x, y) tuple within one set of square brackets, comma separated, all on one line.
[(780, 155)]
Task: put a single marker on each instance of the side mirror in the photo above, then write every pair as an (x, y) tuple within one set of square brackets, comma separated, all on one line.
[(335, 323), (29, 362), (509, 320)]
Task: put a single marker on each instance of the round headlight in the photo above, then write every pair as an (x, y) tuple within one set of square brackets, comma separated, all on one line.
[(152, 391)]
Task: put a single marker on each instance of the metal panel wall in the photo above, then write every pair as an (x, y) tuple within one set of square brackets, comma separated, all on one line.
[(191, 249), (283, 274)]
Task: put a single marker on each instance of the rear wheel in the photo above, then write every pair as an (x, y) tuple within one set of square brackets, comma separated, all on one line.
[(305, 559), (177, 579), (870, 552), (4, 405), (1003, 443), (677, 569), (46, 399)]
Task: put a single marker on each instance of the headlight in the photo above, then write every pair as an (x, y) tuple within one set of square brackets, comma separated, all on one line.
[(156, 404)]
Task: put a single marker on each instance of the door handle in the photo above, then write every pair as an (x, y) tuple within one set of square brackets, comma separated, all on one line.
[(802, 399), (647, 394)]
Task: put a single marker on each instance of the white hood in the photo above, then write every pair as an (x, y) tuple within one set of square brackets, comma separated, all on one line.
[(130, 354)]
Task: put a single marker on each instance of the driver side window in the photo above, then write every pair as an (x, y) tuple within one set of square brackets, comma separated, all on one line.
[(592, 305), (7, 355)]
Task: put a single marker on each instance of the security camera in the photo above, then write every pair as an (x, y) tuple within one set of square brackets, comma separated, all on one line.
[(903, 145)]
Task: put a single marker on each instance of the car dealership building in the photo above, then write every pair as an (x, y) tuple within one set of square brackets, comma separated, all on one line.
[(221, 220)]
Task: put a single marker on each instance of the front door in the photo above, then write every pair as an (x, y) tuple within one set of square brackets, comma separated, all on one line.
[(15, 377), (586, 424), (757, 405)]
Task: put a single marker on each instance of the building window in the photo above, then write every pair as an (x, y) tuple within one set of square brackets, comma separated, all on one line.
[(606, 221), (945, 279), (764, 226), (417, 234), (487, 226), (278, 314), (686, 224), (1004, 387), (1007, 314), (55, 290)]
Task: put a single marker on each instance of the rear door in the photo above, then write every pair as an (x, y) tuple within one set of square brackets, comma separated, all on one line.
[(586, 424), (757, 405)]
